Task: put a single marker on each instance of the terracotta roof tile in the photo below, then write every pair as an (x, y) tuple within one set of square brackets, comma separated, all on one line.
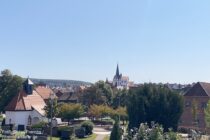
[(44, 92), (24, 102)]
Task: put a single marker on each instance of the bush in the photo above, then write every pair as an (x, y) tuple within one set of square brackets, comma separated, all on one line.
[(39, 125), (88, 125), (155, 132), (1, 117), (80, 132), (64, 128), (66, 132), (172, 135)]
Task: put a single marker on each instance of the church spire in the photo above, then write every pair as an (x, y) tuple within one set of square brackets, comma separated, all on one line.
[(117, 71)]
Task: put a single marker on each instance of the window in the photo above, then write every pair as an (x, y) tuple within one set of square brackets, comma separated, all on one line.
[(187, 104), (29, 120), (203, 105), (195, 122)]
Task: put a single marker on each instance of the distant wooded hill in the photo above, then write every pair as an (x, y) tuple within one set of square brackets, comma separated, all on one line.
[(59, 83)]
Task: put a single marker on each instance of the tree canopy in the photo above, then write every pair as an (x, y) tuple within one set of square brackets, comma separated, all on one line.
[(99, 93), (9, 86), (98, 111), (70, 111), (156, 103), (51, 103)]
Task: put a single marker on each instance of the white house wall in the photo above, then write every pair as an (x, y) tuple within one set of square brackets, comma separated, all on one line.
[(37, 114), (17, 117), (21, 117)]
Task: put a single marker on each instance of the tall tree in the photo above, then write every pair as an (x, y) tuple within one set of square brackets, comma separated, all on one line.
[(99, 93), (122, 113), (156, 103), (51, 105), (116, 133), (9, 86), (119, 98)]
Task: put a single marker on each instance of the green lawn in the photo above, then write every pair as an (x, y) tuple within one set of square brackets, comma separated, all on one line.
[(53, 138)]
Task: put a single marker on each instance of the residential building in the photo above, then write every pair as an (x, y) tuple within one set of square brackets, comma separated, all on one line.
[(195, 101), (44, 92), (69, 97)]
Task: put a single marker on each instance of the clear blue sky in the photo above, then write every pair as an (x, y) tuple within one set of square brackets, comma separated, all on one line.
[(152, 40)]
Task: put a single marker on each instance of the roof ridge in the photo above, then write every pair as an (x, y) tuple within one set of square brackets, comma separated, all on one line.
[(203, 87)]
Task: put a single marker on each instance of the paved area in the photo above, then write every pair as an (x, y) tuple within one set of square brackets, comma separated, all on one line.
[(101, 132), (100, 137)]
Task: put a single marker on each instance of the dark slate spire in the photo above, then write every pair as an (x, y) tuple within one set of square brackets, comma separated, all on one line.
[(28, 86), (117, 71)]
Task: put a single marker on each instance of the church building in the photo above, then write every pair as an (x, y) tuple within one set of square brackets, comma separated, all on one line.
[(120, 81), (26, 108)]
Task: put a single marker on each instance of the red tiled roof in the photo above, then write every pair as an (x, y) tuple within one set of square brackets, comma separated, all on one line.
[(44, 92), (24, 102), (199, 89), (17, 103)]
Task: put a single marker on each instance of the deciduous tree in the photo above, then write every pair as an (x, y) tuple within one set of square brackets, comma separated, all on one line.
[(70, 111), (99, 93), (10, 85), (51, 105)]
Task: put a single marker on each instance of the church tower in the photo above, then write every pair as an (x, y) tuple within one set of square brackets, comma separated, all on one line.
[(120, 81), (117, 72), (28, 86), (117, 77)]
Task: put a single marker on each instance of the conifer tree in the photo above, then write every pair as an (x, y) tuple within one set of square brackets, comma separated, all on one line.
[(116, 132)]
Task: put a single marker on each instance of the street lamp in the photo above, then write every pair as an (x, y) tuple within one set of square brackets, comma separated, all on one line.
[(52, 97)]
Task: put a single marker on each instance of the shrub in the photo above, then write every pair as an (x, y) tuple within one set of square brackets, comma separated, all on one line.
[(88, 125), (155, 132), (80, 132), (1, 117), (172, 135), (66, 132), (64, 128), (39, 125)]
